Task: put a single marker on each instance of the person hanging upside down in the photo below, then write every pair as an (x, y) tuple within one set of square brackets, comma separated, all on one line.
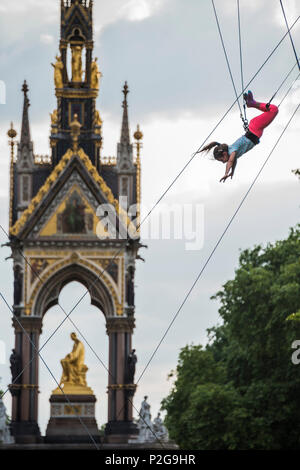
[(230, 153)]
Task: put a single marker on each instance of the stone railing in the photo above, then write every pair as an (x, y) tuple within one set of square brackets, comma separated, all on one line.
[(42, 160), (111, 161)]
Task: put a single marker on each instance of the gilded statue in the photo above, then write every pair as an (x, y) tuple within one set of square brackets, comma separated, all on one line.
[(98, 120), (95, 75), (74, 369), (76, 64), (58, 72), (54, 118)]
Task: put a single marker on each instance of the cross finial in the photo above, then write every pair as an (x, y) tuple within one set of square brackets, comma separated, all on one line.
[(125, 139), (25, 88), (125, 92)]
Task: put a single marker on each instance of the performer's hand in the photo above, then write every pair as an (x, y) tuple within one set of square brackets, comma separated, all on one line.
[(224, 178)]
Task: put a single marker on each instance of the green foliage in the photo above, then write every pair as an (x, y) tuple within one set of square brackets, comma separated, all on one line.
[(242, 391)]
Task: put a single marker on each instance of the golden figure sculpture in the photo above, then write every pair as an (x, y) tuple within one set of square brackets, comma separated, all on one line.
[(54, 118), (58, 72), (95, 75), (74, 369), (98, 120), (76, 64)]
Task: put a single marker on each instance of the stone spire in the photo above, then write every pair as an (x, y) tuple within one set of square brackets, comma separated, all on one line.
[(25, 158), (25, 130), (125, 164), (125, 138)]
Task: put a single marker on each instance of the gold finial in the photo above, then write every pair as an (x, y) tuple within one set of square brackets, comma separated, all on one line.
[(12, 134), (138, 135), (75, 131)]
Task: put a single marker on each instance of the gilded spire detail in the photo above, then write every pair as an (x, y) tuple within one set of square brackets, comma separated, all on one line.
[(12, 134)]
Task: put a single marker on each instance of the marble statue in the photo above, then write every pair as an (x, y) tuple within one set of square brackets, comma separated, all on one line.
[(74, 369), (5, 436), (95, 75), (149, 431), (159, 429), (144, 423), (58, 72), (76, 64)]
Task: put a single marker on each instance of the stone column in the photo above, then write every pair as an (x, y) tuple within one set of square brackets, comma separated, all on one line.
[(25, 390), (89, 50), (63, 51), (120, 427)]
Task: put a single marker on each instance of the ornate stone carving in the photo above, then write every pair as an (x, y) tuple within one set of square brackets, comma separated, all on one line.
[(98, 180), (122, 325)]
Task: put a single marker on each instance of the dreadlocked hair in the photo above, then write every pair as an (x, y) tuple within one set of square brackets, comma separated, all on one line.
[(218, 150)]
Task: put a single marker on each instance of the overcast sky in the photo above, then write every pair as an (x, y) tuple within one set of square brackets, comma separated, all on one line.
[(170, 54)]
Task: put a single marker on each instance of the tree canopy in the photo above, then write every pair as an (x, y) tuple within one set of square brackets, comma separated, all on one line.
[(242, 390)]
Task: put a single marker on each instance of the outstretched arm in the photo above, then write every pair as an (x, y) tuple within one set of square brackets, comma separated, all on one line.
[(230, 167)]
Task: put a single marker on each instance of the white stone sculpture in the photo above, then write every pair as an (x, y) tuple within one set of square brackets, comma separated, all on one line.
[(144, 423), (148, 431), (5, 436), (159, 429)]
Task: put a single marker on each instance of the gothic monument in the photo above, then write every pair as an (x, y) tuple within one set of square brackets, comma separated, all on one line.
[(58, 235)]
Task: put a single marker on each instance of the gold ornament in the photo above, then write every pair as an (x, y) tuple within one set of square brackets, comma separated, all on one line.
[(98, 120), (58, 72), (76, 64), (12, 134), (73, 380), (74, 369), (20, 223), (54, 118), (75, 131), (138, 135), (95, 75)]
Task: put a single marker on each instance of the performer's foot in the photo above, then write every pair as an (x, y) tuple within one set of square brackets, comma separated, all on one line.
[(250, 101)]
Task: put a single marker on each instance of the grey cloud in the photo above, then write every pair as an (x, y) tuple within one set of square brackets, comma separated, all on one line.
[(172, 60)]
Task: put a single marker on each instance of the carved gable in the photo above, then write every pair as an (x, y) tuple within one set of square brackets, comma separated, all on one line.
[(66, 206)]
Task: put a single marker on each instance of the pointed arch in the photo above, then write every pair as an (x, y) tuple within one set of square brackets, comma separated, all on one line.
[(49, 293)]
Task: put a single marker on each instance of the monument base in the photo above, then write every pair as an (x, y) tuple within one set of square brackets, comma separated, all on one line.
[(65, 426), (25, 432), (118, 432)]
